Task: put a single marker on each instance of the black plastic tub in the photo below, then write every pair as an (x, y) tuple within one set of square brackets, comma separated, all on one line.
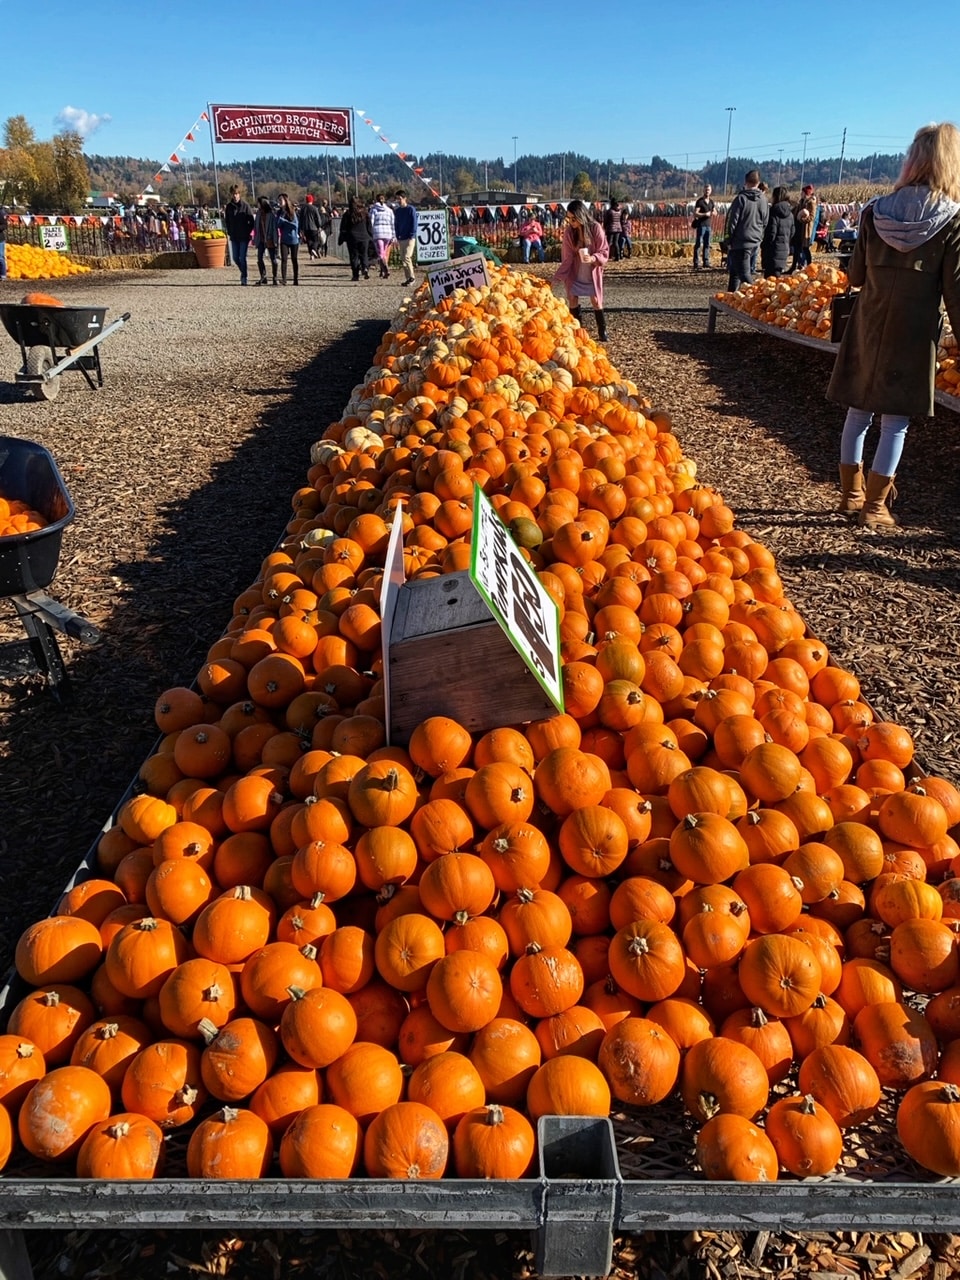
[(28, 561)]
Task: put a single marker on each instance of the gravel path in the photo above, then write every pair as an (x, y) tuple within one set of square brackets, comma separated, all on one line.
[(181, 470)]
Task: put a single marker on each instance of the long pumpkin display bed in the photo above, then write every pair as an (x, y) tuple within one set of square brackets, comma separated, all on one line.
[(709, 876), (802, 304)]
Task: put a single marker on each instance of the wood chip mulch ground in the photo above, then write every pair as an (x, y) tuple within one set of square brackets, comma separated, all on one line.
[(181, 470)]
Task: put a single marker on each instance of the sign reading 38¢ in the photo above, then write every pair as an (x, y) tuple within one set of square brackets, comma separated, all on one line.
[(515, 596), (432, 239)]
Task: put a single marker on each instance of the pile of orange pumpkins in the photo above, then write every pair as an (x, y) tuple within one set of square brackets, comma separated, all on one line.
[(800, 302), (712, 876), (803, 303)]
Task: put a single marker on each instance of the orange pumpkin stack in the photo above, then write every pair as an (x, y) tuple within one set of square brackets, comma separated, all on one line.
[(17, 517), (709, 873), (800, 302)]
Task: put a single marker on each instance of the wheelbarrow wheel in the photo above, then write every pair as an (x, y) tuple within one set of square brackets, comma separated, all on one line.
[(39, 361)]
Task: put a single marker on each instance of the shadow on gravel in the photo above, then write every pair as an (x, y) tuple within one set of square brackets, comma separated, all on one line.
[(782, 389), (170, 604)]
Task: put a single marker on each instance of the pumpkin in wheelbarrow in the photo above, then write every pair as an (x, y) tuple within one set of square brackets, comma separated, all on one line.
[(41, 300)]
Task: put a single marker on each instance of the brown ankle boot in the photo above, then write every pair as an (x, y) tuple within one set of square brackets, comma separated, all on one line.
[(874, 513), (851, 484)]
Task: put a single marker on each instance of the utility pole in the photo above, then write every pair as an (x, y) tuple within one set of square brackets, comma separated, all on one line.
[(803, 162), (843, 147), (780, 168), (608, 179), (486, 174), (563, 183), (440, 179), (726, 166), (870, 174), (515, 187), (253, 190), (686, 174)]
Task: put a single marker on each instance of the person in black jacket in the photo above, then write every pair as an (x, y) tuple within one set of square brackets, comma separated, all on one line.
[(778, 236), (357, 234), (746, 223), (239, 220), (310, 226)]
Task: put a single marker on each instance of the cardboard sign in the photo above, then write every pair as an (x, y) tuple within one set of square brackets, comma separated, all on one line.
[(462, 273), (515, 596), (54, 238), (432, 238)]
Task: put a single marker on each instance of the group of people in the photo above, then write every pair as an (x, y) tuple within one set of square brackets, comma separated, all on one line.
[(757, 228), (276, 232), (371, 232)]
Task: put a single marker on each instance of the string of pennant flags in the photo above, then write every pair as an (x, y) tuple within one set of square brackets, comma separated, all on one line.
[(416, 170), (180, 149)]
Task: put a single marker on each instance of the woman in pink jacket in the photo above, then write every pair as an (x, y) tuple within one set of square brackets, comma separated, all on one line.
[(583, 252)]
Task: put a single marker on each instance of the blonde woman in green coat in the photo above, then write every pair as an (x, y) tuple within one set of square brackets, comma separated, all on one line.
[(906, 258)]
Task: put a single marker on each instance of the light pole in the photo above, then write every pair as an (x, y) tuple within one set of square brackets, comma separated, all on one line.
[(726, 165), (515, 187), (803, 162)]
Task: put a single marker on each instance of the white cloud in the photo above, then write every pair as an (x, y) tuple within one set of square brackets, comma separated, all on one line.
[(79, 121)]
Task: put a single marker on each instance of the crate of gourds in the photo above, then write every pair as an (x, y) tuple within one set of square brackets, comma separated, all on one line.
[(715, 883)]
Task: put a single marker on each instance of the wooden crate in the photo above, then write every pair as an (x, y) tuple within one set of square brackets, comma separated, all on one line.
[(449, 656)]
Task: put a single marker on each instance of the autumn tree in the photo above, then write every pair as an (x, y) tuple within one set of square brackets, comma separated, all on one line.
[(581, 188), (47, 176)]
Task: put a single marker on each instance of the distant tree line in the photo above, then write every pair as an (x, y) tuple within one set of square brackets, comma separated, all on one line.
[(56, 175)]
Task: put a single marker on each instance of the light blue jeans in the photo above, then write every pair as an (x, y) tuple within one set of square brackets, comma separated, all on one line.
[(536, 244), (893, 432), (3, 259)]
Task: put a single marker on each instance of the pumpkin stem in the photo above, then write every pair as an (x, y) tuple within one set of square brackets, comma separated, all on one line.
[(108, 1031), (809, 1105), (753, 817), (243, 892), (148, 924), (228, 1114), (208, 1029), (757, 1017), (213, 993), (525, 895), (118, 1130), (641, 947), (691, 820), (949, 1092), (389, 782), (186, 1095), (51, 999), (534, 949), (709, 1104), (461, 917), (25, 1050), (494, 1114), (308, 951), (296, 993)]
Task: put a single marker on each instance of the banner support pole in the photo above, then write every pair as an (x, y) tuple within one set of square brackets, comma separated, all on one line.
[(213, 156), (353, 135)]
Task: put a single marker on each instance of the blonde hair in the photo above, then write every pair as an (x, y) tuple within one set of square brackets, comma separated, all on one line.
[(933, 161)]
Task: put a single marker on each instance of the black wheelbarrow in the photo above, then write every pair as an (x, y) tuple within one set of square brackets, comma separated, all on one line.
[(54, 339), (28, 563)]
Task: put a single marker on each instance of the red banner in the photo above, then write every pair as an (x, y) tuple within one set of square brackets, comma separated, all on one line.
[(291, 126)]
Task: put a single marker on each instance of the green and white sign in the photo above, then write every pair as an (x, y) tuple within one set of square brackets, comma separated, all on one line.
[(515, 596), (54, 238), (432, 237)]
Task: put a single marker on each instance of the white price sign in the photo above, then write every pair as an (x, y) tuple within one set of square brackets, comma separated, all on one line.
[(515, 596), (54, 238), (462, 273), (432, 239)]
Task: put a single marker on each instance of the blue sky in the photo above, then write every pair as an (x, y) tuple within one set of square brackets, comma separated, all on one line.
[(609, 80)]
